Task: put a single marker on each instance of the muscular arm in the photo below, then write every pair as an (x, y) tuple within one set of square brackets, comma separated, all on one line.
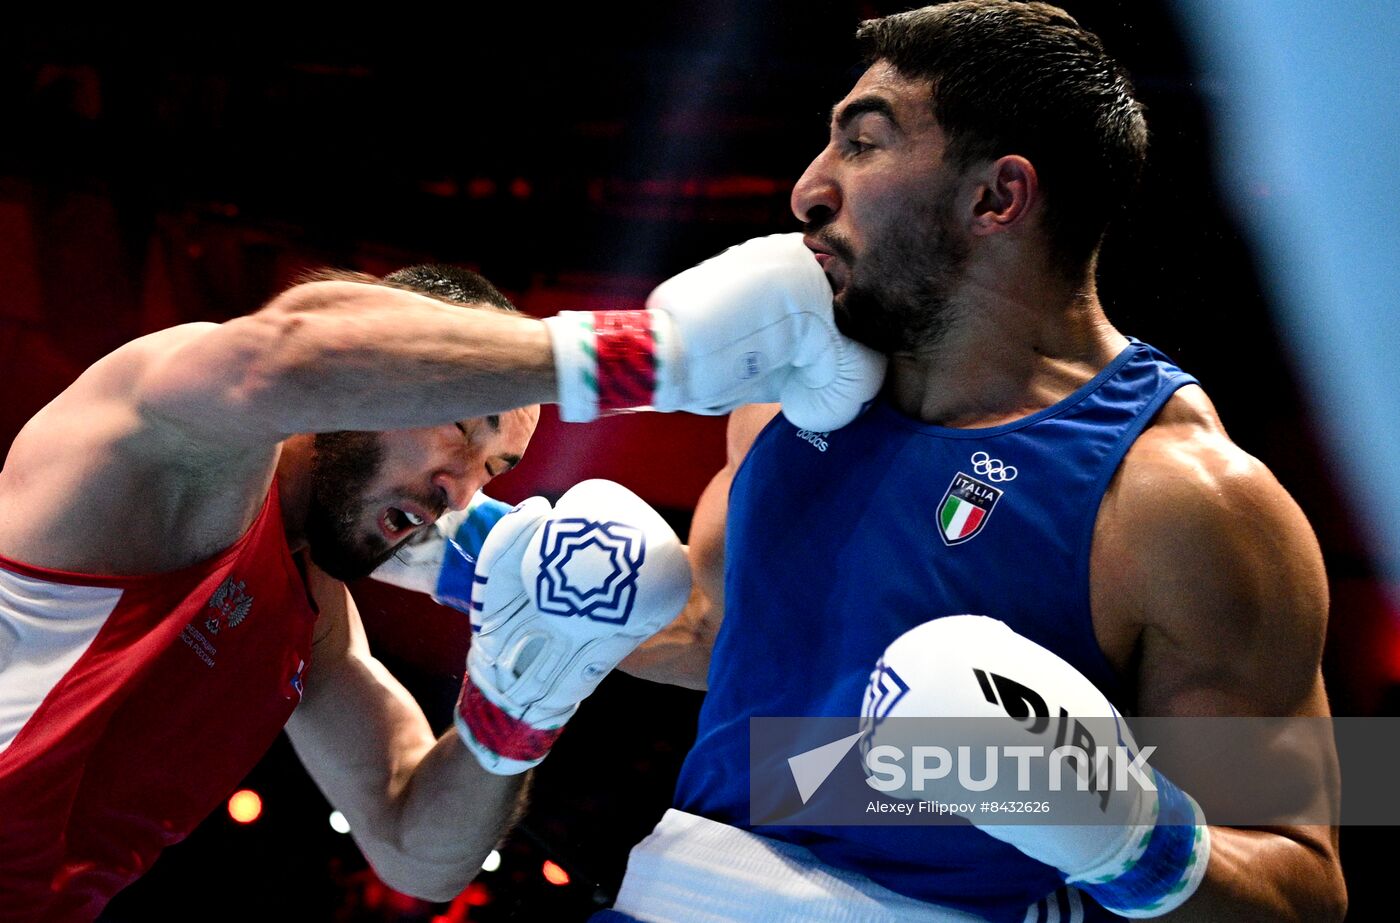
[(341, 355), (680, 653), (1205, 561), (176, 433), (422, 809)]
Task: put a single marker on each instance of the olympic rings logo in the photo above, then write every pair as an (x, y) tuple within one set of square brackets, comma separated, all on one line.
[(992, 468)]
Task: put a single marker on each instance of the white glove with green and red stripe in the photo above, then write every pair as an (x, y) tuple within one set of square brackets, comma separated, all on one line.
[(559, 597), (751, 325)]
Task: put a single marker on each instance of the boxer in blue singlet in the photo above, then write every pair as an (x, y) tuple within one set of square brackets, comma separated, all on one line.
[(1025, 461)]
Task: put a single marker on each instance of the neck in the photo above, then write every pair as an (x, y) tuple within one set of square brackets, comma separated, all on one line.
[(1011, 350), (294, 486)]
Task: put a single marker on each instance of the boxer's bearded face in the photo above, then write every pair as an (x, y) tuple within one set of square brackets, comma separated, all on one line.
[(344, 465), (371, 492), (882, 200), (897, 294)]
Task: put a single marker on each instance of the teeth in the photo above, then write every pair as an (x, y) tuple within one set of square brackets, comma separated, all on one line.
[(413, 520)]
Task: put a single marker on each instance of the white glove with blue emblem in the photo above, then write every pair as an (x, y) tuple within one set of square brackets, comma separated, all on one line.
[(1141, 851), (559, 598)]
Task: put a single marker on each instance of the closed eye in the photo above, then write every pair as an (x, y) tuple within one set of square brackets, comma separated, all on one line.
[(508, 461)]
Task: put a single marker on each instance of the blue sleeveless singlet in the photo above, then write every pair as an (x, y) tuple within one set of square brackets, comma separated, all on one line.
[(837, 543)]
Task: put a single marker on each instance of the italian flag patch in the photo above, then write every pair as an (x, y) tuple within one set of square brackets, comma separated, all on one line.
[(965, 509)]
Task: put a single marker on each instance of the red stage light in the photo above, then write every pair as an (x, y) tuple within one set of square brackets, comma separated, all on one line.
[(554, 874), (245, 806)]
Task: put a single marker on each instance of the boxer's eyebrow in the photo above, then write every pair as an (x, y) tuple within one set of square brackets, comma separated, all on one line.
[(860, 106), (494, 421)]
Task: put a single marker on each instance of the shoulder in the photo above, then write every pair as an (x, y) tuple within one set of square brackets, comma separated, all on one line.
[(94, 454), (117, 376), (1187, 486), (120, 370), (1199, 551), (100, 412)]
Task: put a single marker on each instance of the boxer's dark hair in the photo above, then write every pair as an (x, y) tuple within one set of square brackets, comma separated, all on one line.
[(450, 283), (1027, 79), (445, 283)]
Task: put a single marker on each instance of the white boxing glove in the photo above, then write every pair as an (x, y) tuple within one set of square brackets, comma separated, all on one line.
[(751, 325), (560, 598), (1141, 851)]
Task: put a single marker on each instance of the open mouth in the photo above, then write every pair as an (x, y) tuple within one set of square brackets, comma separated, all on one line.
[(395, 522)]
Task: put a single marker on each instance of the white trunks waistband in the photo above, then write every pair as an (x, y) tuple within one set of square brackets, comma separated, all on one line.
[(695, 870)]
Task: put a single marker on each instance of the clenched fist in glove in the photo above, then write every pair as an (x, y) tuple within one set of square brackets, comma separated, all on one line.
[(557, 598), (1140, 850), (751, 325)]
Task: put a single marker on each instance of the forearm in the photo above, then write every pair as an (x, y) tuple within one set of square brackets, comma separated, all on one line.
[(347, 355), (421, 808), (679, 654), (447, 815), (1257, 875)]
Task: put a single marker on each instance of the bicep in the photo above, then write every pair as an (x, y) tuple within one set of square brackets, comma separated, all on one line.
[(357, 730), (1240, 636), (680, 653), (1208, 568), (707, 528), (1236, 612), (1223, 576), (1207, 583)]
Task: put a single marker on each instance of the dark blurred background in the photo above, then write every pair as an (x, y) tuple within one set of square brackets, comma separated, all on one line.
[(163, 171)]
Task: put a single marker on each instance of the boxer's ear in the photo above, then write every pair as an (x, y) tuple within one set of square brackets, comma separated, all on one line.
[(1008, 188)]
